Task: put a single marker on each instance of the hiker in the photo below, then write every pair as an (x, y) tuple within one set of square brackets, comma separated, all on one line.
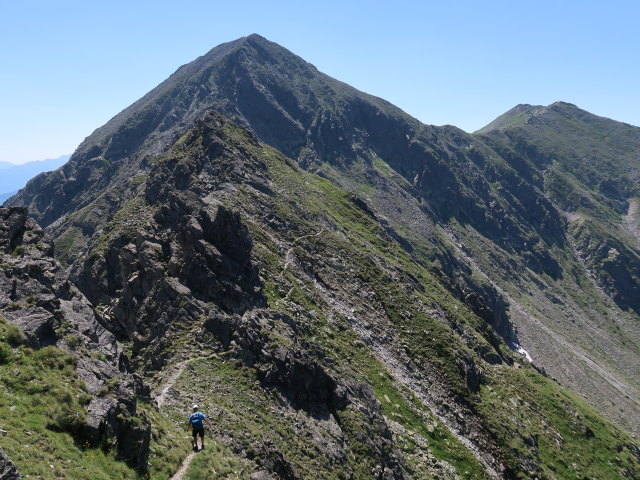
[(197, 427)]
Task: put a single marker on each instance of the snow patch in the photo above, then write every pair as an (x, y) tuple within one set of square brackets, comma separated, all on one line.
[(518, 348)]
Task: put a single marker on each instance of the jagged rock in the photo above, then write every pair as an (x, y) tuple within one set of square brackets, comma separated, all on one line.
[(272, 459), (112, 421), (223, 275), (304, 383), (303, 380), (8, 470), (133, 443), (413, 241), (35, 295), (223, 328), (261, 475), (472, 374), (12, 223)]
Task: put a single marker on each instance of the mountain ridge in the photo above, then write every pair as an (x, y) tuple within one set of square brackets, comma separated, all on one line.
[(317, 236), (522, 112)]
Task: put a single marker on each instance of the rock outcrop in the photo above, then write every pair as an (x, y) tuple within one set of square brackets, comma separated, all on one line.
[(8, 470), (346, 283), (35, 295)]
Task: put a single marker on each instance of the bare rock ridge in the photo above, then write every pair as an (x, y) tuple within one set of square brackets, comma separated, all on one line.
[(357, 294)]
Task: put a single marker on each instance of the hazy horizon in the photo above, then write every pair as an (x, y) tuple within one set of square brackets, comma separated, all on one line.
[(50, 157)]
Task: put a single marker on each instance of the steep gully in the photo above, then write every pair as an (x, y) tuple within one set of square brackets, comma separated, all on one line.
[(519, 311)]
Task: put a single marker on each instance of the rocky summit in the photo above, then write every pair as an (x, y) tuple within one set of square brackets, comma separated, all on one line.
[(345, 292)]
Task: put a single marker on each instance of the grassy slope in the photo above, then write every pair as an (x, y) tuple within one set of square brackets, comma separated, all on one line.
[(348, 250), (329, 224), (41, 403), (587, 165), (326, 201), (538, 420), (223, 385)]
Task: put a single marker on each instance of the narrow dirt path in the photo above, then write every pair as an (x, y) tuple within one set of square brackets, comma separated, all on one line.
[(160, 398), (290, 257), (184, 467), (170, 381)]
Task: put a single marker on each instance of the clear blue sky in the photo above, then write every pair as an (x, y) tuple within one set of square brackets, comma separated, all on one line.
[(67, 67)]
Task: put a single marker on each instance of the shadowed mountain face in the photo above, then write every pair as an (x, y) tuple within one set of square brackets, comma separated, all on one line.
[(590, 168), (360, 277)]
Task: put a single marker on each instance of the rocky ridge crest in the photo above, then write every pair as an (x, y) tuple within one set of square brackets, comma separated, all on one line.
[(395, 281)]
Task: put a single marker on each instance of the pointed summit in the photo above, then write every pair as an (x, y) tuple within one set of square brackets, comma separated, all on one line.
[(518, 115), (255, 82)]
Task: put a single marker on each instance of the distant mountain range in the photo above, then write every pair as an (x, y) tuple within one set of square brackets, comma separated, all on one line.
[(14, 177)]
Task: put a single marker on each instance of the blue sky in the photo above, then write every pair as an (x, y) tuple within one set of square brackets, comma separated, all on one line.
[(67, 67)]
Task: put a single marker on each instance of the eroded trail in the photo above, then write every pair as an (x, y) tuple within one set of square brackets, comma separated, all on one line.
[(169, 382), (290, 257), (176, 370), (184, 467)]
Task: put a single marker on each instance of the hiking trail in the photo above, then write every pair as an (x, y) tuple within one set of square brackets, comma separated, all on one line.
[(184, 467), (170, 381), (290, 256)]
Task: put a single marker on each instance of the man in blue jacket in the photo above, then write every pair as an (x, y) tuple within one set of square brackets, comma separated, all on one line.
[(196, 420)]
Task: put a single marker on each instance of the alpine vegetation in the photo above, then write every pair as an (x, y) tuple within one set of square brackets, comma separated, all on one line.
[(325, 287)]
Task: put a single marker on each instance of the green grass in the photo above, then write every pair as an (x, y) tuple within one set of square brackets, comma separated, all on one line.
[(571, 440), (359, 240), (69, 244), (216, 462), (367, 254), (250, 417), (331, 235), (168, 449), (42, 409)]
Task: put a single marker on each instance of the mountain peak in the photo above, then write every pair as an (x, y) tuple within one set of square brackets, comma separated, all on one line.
[(524, 113), (339, 271), (255, 82), (562, 104), (255, 44), (556, 113), (256, 37), (518, 115)]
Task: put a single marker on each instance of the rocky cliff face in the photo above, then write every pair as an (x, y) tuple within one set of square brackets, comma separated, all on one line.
[(348, 287)]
